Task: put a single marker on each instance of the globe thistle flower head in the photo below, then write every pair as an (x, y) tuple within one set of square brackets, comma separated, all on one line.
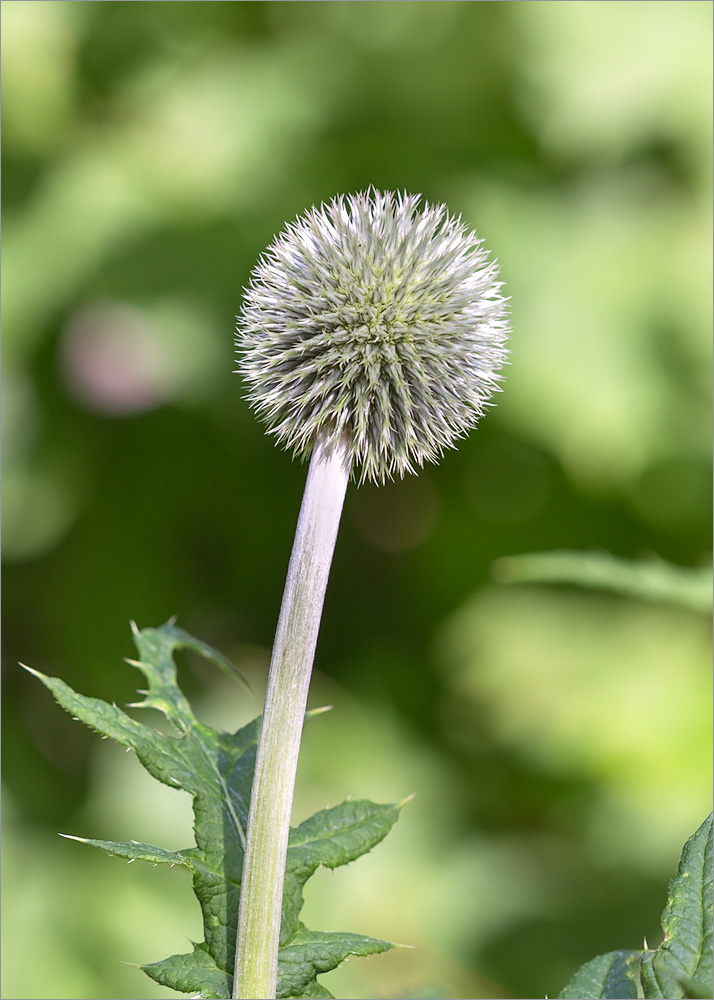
[(376, 321)]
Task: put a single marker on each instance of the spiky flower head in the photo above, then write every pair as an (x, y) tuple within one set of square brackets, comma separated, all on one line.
[(377, 321)]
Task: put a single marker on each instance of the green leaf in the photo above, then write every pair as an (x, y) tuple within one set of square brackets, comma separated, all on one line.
[(682, 965), (330, 838), (649, 579), (310, 953), (216, 768), (317, 992), (608, 976)]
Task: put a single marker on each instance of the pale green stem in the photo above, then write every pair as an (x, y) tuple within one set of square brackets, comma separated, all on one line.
[(285, 702)]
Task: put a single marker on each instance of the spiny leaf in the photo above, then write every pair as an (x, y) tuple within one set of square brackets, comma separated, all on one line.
[(216, 768), (197, 972), (310, 953), (608, 976), (682, 965), (330, 838)]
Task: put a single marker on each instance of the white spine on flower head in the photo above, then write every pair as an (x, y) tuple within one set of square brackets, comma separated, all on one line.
[(378, 322)]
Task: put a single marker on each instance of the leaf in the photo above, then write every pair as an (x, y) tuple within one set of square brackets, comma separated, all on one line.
[(682, 965), (650, 579), (310, 953), (608, 976), (216, 768)]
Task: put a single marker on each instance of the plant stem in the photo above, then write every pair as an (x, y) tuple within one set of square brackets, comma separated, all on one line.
[(261, 896)]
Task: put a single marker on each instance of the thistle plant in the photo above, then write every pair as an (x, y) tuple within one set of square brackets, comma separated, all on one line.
[(371, 338)]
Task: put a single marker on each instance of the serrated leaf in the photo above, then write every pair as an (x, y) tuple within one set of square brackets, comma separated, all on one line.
[(682, 965), (134, 850), (310, 953), (608, 977), (329, 839), (198, 972), (216, 768)]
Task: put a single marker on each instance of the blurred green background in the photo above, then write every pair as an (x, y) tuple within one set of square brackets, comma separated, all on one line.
[(557, 740)]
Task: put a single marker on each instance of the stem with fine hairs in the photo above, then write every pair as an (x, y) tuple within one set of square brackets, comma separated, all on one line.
[(261, 895)]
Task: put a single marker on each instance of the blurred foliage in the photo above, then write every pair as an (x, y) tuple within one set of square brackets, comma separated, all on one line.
[(151, 151), (650, 579)]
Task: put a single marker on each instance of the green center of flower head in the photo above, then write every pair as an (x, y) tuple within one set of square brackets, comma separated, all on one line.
[(376, 321)]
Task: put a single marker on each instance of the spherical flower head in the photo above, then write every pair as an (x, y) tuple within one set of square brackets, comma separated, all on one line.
[(378, 322)]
